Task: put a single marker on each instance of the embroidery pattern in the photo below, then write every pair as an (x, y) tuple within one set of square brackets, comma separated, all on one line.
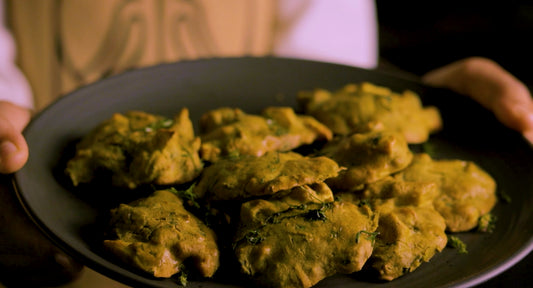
[(180, 32)]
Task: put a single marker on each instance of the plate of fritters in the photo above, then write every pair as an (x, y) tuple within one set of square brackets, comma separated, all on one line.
[(273, 172)]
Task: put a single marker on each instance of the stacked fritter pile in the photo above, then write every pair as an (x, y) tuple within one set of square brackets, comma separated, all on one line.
[(361, 198)]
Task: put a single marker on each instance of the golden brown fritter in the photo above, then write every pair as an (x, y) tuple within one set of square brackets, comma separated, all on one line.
[(243, 177), (404, 193), (367, 157), (408, 236), (254, 212), (157, 235), (288, 243), (363, 107), (277, 208), (138, 148), (410, 230), (467, 192), (230, 131)]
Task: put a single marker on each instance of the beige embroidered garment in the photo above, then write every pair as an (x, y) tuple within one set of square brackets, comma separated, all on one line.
[(63, 45), (66, 44)]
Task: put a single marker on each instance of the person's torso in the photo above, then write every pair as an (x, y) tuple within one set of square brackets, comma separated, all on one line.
[(66, 44)]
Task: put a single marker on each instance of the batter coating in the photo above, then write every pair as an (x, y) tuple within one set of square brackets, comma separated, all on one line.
[(230, 131), (466, 191), (281, 244), (249, 176), (363, 107), (410, 230), (138, 148), (157, 235), (367, 157)]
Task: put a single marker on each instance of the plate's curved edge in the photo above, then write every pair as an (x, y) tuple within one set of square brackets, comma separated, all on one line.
[(498, 269), (126, 73), (65, 247), (478, 279)]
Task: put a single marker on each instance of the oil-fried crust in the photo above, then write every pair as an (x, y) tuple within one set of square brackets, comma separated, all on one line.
[(410, 230), (466, 191), (363, 107), (157, 235), (282, 245), (229, 131), (138, 148), (245, 177), (367, 157)]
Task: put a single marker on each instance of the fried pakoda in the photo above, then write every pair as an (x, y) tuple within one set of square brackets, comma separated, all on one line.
[(361, 198), (138, 148), (410, 230), (230, 131), (363, 107), (298, 240), (156, 234), (467, 192), (253, 210), (243, 177), (367, 158)]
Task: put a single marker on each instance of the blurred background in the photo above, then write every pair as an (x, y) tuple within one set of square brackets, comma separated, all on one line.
[(422, 35), (425, 35)]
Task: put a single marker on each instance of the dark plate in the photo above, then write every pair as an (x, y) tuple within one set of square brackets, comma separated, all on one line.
[(469, 133)]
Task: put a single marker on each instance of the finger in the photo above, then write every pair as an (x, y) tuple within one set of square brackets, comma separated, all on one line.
[(492, 86), (18, 116), (13, 146)]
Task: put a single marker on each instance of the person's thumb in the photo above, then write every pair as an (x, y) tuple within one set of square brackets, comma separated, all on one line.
[(13, 146)]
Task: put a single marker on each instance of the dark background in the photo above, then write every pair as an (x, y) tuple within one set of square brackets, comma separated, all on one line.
[(417, 36)]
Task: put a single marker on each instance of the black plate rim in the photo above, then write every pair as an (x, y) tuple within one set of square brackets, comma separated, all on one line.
[(481, 277)]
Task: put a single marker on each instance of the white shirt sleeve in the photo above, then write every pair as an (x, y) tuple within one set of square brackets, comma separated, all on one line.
[(14, 86), (338, 31)]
